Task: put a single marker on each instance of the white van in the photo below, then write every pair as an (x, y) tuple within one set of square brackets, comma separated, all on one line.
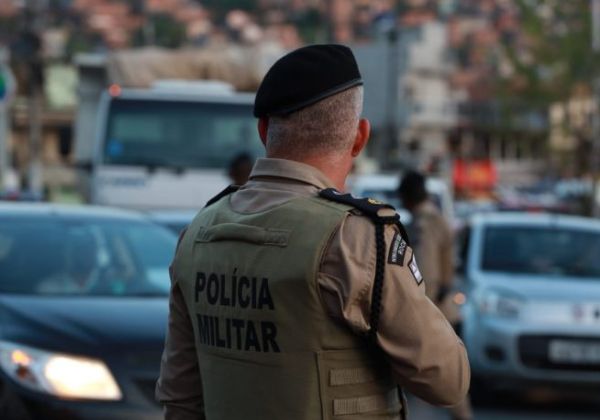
[(168, 147)]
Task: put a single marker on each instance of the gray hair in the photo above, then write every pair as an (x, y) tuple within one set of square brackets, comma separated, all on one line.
[(323, 127)]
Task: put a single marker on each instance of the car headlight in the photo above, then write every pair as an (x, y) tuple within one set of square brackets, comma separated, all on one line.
[(61, 375), (499, 303)]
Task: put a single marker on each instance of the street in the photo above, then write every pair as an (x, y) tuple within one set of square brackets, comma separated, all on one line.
[(506, 407)]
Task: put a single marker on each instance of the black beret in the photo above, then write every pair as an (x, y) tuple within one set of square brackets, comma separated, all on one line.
[(306, 76)]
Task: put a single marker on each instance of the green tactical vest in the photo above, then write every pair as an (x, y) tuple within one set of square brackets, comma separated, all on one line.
[(267, 349)]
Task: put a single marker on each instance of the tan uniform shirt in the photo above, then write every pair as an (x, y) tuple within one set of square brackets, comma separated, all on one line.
[(426, 356), (433, 248)]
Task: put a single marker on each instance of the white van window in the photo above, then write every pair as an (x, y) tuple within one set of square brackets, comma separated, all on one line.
[(178, 134)]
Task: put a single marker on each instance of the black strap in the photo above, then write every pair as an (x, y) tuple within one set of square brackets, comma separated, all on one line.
[(378, 280), (229, 190), (370, 208)]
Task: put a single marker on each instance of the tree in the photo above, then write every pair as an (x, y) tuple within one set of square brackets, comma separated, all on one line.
[(555, 54)]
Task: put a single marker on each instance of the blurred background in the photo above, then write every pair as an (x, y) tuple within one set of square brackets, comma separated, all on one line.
[(144, 106), (495, 96)]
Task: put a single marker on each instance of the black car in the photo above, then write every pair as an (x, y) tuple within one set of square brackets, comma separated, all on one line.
[(83, 310)]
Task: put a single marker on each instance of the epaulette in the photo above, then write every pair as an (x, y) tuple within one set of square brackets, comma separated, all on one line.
[(368, 206), (229, 190)]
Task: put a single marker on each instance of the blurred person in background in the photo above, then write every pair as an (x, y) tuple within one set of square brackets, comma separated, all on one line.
[(432, 241), (85, 273), (82, 272), (240, 168)]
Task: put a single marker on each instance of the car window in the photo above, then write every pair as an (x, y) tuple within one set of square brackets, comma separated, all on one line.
[(547, 251), (115, 258), (174, 226), (178, 133)]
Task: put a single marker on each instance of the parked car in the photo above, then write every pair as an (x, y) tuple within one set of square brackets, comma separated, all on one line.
[(464, 210), (83, 310), (532, 313), (175, 220)]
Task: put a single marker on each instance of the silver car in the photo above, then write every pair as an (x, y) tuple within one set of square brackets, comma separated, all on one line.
[(532, 312)]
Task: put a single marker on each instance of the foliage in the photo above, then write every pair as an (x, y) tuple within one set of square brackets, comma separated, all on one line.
[(221, 7), (555, 55), (161, 30), (310, 25)]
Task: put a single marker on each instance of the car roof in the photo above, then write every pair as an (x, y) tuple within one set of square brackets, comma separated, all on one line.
[(377, 181), (178, 96), (170, 216), (67, 211), (535, 219), (391, 181)]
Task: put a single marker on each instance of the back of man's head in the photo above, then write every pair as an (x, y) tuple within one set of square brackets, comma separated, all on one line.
[(325, 127), (412, 189), (309, 105)]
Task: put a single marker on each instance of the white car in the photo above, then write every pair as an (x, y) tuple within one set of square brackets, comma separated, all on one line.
[(532, 312)]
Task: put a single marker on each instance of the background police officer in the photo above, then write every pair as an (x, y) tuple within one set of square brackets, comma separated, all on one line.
[(432, 241), (291, 300), (240, 168)]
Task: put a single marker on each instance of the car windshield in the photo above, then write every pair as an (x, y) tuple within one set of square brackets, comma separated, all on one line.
[(107, 257), (545, 251), (179, 134), (176, 227)]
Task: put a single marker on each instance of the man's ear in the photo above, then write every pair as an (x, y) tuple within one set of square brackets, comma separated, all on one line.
[(362, 136), (263, 127)]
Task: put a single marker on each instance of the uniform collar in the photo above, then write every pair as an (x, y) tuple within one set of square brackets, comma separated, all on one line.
[(291, 170), (426, 206)]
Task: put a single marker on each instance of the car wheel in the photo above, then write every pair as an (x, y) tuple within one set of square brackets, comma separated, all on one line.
[(11, 407)]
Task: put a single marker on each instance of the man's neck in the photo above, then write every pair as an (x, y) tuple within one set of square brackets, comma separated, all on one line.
[(334, 168)]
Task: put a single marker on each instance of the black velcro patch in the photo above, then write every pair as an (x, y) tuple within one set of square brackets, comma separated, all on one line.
[(368, 206), (397, 250)]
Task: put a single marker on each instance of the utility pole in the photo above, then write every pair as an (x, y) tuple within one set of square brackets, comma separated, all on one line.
[(391, 108), (148, 30), (34, 25), (595, 155), (7, 88)]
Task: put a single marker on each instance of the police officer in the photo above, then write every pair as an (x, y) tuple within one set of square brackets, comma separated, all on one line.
[(291, 300), (432, 241), (240, 168), (430, 234)]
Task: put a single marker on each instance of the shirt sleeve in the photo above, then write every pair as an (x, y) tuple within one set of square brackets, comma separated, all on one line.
[(179, 387), (425, 355)]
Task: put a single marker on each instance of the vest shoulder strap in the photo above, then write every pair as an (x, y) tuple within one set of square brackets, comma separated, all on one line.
[(229, 190), (370, 208)]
